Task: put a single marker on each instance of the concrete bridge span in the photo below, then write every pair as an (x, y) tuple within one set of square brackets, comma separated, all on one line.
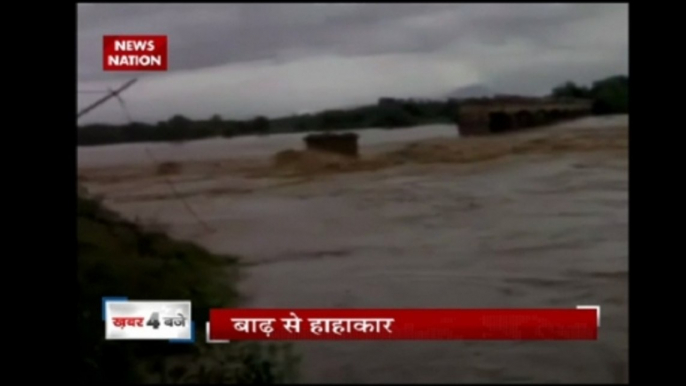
[(504, 114)]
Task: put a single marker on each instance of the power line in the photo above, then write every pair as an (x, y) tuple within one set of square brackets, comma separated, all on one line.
[(176, 193), (111, 94), (115, 94), (123, 106)]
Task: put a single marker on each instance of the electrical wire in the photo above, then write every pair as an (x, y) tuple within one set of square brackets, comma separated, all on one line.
[(148, 152)]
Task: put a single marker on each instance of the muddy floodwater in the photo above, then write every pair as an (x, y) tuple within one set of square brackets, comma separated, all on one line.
[(538, 219)]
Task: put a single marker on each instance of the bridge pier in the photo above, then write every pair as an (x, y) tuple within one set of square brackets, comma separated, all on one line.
[(343, 144), (492, 116)]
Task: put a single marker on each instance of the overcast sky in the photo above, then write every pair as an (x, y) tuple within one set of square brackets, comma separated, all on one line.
[(242, 60)]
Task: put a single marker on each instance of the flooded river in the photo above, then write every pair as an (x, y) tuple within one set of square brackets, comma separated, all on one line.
[(525, 228)]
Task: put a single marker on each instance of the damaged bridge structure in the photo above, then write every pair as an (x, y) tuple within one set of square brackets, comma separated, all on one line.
[(505, 114)]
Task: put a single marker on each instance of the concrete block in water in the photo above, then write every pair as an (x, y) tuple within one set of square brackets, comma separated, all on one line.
[(344, 144)]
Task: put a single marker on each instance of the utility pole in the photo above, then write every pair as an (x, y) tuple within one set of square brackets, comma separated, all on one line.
[(112, 94)]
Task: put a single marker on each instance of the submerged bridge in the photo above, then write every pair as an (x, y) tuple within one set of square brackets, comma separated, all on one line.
[(504, 114)]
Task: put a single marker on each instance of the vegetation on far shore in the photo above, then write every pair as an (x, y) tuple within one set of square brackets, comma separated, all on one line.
[(610, 96), (120, 258)]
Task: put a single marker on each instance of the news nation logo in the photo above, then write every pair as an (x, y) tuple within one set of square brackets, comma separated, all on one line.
[(148, 320), (134, 53)]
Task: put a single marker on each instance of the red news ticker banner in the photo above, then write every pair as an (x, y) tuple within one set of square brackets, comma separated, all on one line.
[(134, 53), (402, 324)]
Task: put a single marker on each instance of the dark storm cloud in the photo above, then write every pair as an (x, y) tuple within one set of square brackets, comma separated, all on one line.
[(248, 59), (204, 35)]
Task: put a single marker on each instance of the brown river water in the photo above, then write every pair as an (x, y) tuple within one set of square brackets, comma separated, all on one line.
[(424, 220)]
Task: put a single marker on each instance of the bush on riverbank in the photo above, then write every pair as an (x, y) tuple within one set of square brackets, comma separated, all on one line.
[(119, 258)]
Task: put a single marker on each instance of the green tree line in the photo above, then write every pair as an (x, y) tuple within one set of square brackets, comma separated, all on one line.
[(610, 96)]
